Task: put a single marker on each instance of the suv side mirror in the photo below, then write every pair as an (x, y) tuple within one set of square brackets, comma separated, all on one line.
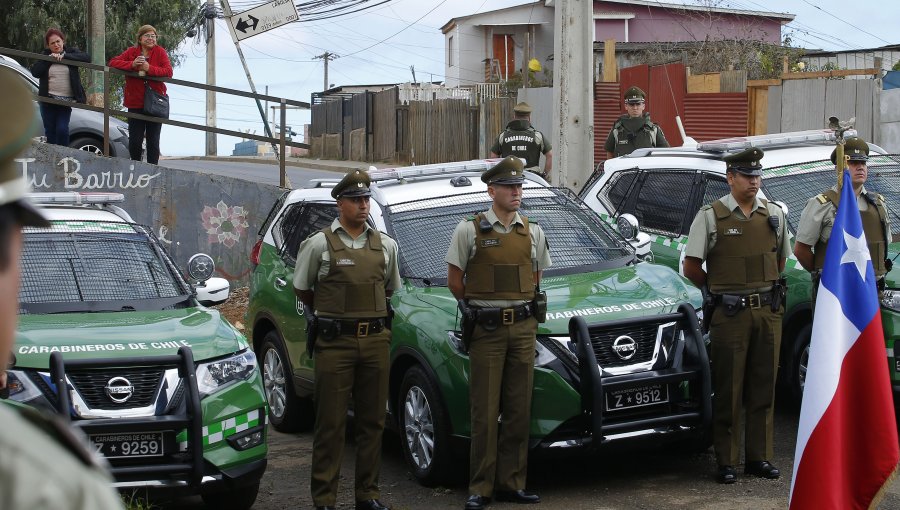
[(213, 291)]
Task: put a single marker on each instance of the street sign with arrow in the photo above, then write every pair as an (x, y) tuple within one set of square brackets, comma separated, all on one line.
[(262, 18)]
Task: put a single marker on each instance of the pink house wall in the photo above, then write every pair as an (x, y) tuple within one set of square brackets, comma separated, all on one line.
[(674, 25)]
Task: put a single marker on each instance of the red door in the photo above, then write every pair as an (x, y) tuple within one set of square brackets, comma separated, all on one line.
[(504, 56)]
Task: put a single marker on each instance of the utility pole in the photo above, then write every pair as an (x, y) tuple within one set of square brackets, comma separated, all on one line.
[(326, 57), (573, 50), (209, 13), (96, 45)]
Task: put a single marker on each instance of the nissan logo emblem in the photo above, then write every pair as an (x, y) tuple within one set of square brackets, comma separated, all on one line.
[(119, 389), (625, 347)]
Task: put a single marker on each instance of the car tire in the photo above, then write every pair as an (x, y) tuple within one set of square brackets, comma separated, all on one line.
[(239, 498), (800, 362), (287, 412), (424, 429), (88, 144)]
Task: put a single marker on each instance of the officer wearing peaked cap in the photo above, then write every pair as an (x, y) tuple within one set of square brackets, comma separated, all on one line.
[(634, 130), (346, 274), (494, 266), (818, 218), (44, 463), (522, 140), (744, 241), (354, 184)]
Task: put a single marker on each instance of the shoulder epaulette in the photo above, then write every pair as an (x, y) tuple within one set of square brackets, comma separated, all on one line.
[(822, 198)]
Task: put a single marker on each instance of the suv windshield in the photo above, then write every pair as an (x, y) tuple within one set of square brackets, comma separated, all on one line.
[(579, 240), (795, 184), (88, 266)]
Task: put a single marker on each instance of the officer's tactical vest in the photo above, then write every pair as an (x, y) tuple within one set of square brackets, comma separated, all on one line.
[(354, 285), (644, 137), (745, 256), (501, 267), (522, 142), (873, 223)]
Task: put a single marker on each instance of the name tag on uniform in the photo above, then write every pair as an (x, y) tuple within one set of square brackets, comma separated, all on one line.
[(623, 142), (487, 243), (344, 262), (733, 231)]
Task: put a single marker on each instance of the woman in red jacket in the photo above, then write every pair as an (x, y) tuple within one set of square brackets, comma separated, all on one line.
[(148, 59)]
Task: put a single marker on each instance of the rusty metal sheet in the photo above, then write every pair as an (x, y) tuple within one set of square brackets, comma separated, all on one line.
[(607, 108), (666, 99), (714, 116)]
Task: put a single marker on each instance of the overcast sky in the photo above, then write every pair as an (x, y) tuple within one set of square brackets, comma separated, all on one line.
[(379, 46)]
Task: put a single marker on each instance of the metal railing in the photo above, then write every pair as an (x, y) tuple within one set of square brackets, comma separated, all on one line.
[(278, 143)]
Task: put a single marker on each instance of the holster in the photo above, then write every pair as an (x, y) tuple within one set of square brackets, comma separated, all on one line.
[(709, 306), (779, 292), (467, 321), (539, 305), (312, 333), (731, 304)]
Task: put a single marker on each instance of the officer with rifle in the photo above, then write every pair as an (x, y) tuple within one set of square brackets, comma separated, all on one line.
[(744, 241), (818, 217), (346, 274), (494, 266)]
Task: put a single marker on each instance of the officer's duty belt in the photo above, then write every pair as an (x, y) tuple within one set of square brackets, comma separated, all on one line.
[(492, 317), (747, 300), (358, 328)]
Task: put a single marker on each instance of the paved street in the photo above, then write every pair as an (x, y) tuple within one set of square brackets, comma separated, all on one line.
[(652, 480)]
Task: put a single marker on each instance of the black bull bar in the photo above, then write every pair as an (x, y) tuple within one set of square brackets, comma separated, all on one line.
[(594, 384)]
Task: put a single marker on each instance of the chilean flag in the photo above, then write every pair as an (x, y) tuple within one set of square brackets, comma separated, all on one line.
[(847, 450)]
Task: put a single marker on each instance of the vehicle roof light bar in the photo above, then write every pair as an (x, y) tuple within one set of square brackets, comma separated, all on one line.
[(75, 198), (476, 165), (773, 140)]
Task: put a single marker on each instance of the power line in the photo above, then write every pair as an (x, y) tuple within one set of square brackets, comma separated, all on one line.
[(401, 30), (847, 22)]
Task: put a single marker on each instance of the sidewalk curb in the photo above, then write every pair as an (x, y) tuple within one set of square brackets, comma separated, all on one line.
[(333, 166)]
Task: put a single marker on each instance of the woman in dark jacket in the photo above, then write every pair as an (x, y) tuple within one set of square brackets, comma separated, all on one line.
[(148, 59), (58, 81)]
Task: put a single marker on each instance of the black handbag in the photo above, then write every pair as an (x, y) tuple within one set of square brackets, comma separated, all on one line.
[(155, 103)]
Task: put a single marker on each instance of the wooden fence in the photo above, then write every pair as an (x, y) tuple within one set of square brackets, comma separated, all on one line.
[(440, 131), (384, 125), (492, 118)]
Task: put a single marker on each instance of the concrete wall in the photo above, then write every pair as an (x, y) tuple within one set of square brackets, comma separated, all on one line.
[(190, 212), (890, 120)]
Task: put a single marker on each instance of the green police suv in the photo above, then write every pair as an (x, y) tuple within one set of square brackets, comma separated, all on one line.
[(620, 359), (165, 388), (661, 190)]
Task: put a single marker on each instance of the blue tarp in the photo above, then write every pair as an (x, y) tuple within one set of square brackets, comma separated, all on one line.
[(891, 80)]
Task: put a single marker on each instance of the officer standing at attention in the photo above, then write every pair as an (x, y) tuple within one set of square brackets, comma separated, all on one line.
[(346, 273), (44, 464), (744, 241), (520, 139), (634, 130), (494, 262), (818, 218)]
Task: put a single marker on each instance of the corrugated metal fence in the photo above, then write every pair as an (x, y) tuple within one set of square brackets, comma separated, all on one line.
[(714, 116)]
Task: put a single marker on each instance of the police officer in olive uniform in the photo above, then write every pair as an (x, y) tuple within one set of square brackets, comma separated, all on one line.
[(494, 263), (744, 241), (346, 273), (634, 130), (520, 139), (44, 464), (818, 218)]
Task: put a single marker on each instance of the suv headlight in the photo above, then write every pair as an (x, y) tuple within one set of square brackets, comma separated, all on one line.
[(21, 389), (890, 299), (216, 374)]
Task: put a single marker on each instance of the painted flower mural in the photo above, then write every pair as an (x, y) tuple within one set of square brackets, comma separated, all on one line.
[(224, 224)]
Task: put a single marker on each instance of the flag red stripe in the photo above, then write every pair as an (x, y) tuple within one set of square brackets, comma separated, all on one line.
[(847, 460)]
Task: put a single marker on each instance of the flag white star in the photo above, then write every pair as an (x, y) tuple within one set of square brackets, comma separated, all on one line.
[(857, 252)]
